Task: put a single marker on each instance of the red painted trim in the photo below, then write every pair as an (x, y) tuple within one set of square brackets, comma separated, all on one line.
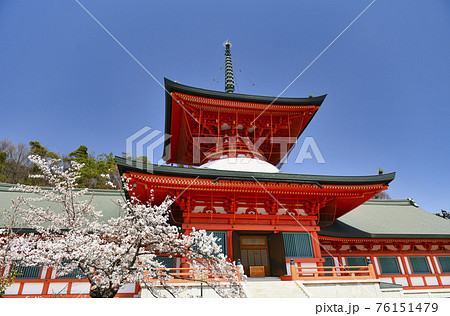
[(250, 227), (20, 288), (45, 287), (299, 260), (315, 244)]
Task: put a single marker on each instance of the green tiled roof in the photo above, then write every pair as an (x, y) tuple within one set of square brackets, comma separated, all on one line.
[(389, 219), (104, 200)]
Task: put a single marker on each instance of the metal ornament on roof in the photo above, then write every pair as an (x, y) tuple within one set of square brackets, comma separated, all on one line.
[(229, 78)]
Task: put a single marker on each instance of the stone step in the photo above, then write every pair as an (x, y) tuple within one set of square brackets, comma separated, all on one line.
[(273, 289)]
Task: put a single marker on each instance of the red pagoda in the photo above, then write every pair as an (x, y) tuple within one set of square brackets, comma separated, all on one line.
[(319, 231), (228, 147)]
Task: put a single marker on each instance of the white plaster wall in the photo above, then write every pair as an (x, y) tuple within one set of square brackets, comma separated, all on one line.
[(13, 289), (407, 265), (344, 290), (387, 280), (80, 288), (403, 281), (431, 281), (262, 211), (445, 280), (437, 265), (417, 281), (311, 265), (240, 210), (127, 288), (43, 272), (32, 288), (58, 288), (377, 265), (288, 268), (220, 209), (308, 265), (430, 265), (336, 261)]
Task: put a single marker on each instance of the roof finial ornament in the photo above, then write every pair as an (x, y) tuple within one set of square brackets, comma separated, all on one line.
[(229, 79)]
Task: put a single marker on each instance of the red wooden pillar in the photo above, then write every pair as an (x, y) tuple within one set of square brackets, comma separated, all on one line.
[(436, 271), (316, 245), (230, 244), (408, 276)]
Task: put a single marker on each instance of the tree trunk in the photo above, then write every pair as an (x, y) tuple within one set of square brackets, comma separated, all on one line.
[(97, 292)]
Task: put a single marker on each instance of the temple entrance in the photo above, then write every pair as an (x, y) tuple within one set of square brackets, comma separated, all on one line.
[(255, 253), (261, 250)]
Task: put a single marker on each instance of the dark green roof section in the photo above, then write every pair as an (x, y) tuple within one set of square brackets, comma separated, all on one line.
[(389, 219), (204, 173), (172, 86)]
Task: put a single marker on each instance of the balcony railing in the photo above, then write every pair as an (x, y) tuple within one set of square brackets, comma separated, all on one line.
[(332, 273), (185, 275)]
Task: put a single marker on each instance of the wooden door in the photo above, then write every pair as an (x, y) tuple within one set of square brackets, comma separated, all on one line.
[(254, 252)]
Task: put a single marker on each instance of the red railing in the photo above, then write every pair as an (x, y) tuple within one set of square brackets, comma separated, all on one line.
[(185, 275), (333, 273)]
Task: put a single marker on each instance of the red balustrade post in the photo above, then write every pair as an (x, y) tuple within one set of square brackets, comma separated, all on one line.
[(294, 272)]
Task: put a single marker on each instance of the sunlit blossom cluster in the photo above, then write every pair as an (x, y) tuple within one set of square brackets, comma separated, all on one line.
[(71, 236)]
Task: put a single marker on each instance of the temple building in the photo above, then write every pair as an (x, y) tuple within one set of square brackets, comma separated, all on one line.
[(228, 147), (223, 158)]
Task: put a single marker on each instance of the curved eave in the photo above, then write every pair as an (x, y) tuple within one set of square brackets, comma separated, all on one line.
[(171, 86), (177, 87), (125, 166)]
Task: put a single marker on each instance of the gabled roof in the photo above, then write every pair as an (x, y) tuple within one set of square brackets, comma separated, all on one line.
[(389, 219)]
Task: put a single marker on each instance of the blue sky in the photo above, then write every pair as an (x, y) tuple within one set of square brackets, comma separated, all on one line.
[(65, 82)]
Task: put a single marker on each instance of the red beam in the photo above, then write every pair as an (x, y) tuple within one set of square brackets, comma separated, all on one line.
[(283, 228)]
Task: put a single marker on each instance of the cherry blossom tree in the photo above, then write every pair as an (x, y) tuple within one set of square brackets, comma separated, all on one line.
[(9, 220), (73, 237)]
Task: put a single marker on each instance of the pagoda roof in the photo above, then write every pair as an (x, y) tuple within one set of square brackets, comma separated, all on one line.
[(205, 173), (172, 86), (388, 219), (243, 104)]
